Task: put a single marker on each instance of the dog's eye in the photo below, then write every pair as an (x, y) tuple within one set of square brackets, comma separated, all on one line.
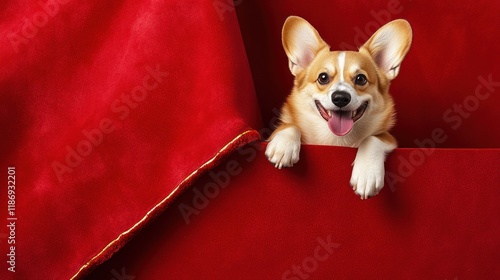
[(323, 78), (360, 80)]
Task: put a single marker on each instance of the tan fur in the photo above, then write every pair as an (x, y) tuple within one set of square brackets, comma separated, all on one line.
[(379, 60)]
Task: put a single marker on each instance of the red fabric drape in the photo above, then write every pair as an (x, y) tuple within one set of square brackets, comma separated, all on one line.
[(109, 110)]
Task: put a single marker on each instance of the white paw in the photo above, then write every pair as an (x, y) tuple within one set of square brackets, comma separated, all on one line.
[(367, 177), (368, 173), (284, 148)]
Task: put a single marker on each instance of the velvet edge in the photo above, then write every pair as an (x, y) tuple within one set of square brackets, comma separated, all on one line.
[(115, 245)]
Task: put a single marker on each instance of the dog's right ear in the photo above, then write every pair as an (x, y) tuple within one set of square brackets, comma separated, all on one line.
[(301, 43)]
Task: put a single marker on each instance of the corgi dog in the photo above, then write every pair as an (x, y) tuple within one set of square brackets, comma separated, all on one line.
[(341, 98)]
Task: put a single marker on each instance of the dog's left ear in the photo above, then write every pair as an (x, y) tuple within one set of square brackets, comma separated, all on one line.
[(389, 45)]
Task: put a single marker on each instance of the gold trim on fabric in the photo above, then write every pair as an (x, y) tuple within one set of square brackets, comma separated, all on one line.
[(161, 203)]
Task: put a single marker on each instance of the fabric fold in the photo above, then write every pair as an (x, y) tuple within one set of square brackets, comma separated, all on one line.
[(109, 111)]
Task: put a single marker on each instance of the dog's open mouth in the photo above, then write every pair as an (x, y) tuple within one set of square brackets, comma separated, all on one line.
[(341, 122)]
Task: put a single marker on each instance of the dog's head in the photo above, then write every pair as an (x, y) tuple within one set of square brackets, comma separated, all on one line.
[(346, 87)]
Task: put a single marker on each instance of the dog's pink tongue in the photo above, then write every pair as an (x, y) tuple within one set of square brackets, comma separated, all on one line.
[(341, 123)]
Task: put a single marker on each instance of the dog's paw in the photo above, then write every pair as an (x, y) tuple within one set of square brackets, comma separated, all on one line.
[(284, 149), (367, 178), (368, 173)]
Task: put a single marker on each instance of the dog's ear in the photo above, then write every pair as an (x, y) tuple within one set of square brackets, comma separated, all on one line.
[(301, 43), (389, 45)]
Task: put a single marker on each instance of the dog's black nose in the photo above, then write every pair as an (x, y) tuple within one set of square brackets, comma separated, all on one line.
[(341, 98)]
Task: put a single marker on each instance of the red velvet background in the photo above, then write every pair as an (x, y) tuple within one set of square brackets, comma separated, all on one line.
[(454, 44), (154, 94)]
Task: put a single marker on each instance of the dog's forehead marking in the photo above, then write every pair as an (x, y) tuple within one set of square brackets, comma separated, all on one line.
[(354, 68), (341, 61)]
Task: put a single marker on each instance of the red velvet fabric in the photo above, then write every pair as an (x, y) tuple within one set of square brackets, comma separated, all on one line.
[(111, 110), (108, 111), (437, 223)]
